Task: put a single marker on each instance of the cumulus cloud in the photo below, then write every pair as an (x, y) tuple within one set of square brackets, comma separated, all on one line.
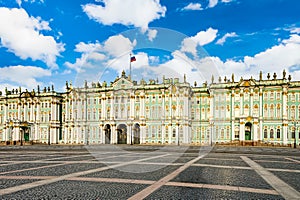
[(193, 6), (118, 45), (127, 12), (25, 76), (19, 2), (212, 3), (96, 54), (295, 30), (222, 40), (201, 38), (282, 56), (226, 1), (152, 34), (21, 35)]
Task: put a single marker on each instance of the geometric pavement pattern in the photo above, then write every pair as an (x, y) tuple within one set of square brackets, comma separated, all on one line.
[(148, 172)]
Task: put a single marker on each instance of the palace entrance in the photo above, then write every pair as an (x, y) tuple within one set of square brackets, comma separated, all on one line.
[(248, 127), (136, 134), (107, 131), (122, 134)]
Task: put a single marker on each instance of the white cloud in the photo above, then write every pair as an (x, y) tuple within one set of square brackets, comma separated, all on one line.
[(87, 48), (19, 2), (20, 34), (212, 3), (275, 59), (118, 45), (152, 34), (193, 6), (201, 38), (25, 76), (127, 12), (95, 54), (226, 1), (222, 40), (295, 30)]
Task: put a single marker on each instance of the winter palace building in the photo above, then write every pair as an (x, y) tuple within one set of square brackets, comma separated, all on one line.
[(252, 111)]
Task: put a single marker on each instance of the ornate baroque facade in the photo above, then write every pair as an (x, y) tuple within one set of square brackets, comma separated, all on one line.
[(171, 112)]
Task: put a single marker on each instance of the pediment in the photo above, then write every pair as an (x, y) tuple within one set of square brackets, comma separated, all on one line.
[(122, 83), (246, 83)]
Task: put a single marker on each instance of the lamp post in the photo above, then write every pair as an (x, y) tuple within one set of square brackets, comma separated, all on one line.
[(49, 135), (295, 131), (10, 129), (211, 133), (131, 136)]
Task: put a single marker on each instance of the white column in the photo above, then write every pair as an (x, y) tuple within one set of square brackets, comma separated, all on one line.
[(242, 129), (66, 132), (7, 129), (25, 110), (177, 133), (251, 102), (232, 110), (19, 109), (113, 134), (103, 108), (284, 115), (31, 112), (112, 113), (260, 113), (129, 134), (67, 110), (242, 102), (143, 133), (131, 106), (142, 106), (163, 133), (255, 137)]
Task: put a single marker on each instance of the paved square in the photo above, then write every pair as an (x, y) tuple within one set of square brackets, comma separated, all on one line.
[(148, 172)]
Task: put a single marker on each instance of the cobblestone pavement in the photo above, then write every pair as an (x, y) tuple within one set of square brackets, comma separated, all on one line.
[(148, 172)]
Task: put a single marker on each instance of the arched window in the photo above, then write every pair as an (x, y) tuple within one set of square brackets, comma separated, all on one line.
[(222, 133), (266, 110), (174, 133), (278, 111), (236, 132), (271, 133), (265, 133), (272, 110), (278, 133)]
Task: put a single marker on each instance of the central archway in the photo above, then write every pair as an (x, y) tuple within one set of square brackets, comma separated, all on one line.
[(107, 131), (136, 134), (122, 134), (248, 127)]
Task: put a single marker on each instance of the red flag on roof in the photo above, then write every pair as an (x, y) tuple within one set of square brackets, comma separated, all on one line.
[(132, 59)]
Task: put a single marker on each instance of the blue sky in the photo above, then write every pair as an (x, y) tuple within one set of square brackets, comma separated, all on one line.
[(45, 42)]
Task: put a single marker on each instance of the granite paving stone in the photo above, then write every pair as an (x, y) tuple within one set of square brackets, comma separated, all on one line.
[(172, 192), (20, 166), (58, 170), (230, 162), (290, 178), (6, 183), (279, 165), (136, 172), (78, 190), (233, 177)]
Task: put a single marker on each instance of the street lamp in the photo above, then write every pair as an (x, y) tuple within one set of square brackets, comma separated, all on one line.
[(211, 133), (49, 135), (295, 130)]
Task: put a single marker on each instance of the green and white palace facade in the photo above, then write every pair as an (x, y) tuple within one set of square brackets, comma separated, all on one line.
[(224, 111)]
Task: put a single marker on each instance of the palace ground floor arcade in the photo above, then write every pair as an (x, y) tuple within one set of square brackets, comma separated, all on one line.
[(245, 131)]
